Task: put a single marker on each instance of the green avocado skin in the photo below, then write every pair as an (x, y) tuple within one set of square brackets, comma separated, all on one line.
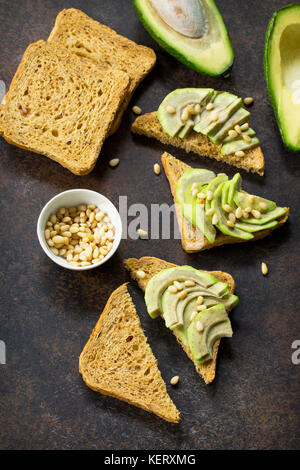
[(268, 72), (175, 52)]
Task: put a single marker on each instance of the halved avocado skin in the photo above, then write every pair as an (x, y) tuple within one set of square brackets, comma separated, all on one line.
[(178, 52), (268, 72)]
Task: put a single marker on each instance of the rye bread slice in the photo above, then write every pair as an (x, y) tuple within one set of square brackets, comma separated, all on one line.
[(191, 238), (96, 43), (118, 361), (149, 125), (152, 266), (59, 107)]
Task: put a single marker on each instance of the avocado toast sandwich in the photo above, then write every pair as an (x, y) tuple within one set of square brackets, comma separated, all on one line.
[(213, 210), (193, 303), (207, 122), (118, 361)]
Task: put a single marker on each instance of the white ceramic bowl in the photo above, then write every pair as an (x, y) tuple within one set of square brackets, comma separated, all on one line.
[(71, 198)]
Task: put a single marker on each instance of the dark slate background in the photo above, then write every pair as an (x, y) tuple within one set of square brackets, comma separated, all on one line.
[(47, 313)]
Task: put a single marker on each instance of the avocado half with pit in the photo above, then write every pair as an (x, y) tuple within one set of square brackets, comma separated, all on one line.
[(193, 31), (282, 72)]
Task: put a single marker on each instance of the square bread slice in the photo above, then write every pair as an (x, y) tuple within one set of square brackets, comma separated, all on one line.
[(191, 238), (59, 107), (151, 266), (149, 125), (118, 361), (96, 43)]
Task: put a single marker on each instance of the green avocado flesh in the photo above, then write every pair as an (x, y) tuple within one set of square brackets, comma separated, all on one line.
[(192, 31), (282, 72), (202, 196), (216, 324), (179, 307), (211, 113)]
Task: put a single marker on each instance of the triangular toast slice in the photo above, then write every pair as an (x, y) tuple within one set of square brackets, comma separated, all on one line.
[(149, 125), (151, 266), (59, 107), (95, 43), (118, 361), (191, 238)]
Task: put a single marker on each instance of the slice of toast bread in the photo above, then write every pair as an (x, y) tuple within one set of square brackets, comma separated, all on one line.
[(96, 43), (191, 238), (59, 107), (118, 361), (149, 125), (152, 266)]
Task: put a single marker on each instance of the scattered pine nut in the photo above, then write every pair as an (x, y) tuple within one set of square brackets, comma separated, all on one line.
[(215, 219), (248, 100), (264, 269), (193, 315), (228, 208), (200, 300), (209, 212), (156, 169), (189, 283), (240, 153), (230, 223), (172, 289), (209, 195), (232, 217), (174, 380), (182, 295), (200, 308), (246, 138), (263, 205), (256, 214), (197, 108), (141, 274), (185, 115), (201, 195), (232, 133), (239, 213), (114, 162), (245, 126), (141, 232), (178, 285), (238, 129), (137, 110), (209, 106)]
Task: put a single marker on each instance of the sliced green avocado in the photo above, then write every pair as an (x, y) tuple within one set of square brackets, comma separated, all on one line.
[(161, 281), (239, 117), (239, 144), (266, 218), (192, 31), (195, 213), (245, 200), (216, 205), (234, 185), (179, 99), (223, 116), (189, 177), (221, 101), (281, 65), (216, 324), (252, 228), (213, 185)]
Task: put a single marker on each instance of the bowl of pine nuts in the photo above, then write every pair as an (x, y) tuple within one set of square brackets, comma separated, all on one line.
[(79, 229)]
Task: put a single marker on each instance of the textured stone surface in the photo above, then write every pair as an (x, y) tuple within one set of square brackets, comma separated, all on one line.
[(47, 313)]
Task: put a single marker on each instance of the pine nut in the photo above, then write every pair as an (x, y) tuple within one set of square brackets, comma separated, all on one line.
[(185, 115), (238, 129), (239, 213), (137, 110), (174, 380), (232, 133), (215, 219), (256, 214), (47, 234), (246, 138), (201, 195), (232, 217), (197, 108), (156, 169), (209, 106), (240, 153), (200, 308), (193, 315), (230, 223), (209, 195), (172, 289), (209, 212), (248, 100), (170, 109), (182, 295), (114, 162), (263, 206), (53, 218), (200, 300), (189, 283), (141, 274), (141, 232), (228, 208), (54, 251), (58, 239), (245, 214), (178, 285), (199, 326), (264, 269), (245, 126)]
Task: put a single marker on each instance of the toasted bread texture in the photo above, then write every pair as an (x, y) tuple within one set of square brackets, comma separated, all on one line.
[(152, 266), (149, 125), (59, 107), (191, 238), (118, 361), (96, 43)]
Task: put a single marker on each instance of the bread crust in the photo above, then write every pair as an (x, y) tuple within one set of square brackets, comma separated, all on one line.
[(149, 125), (192, 239), (151, 266), (119, 295)]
